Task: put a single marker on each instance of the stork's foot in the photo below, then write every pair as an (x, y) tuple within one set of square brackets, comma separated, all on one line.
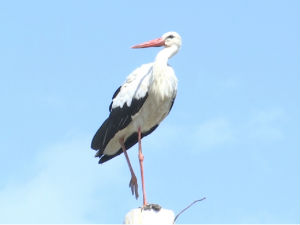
[(134, 186), (155, 207)]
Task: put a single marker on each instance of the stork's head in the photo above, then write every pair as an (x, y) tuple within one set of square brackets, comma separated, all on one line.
[(168, 39), (171, 38)]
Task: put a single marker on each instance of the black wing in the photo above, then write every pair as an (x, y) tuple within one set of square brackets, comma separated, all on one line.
[(130, 141), (115, 95), (127, 101), (172, 103), (118, 119)]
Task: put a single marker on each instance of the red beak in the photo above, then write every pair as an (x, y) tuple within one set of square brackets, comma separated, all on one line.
[(154, 43)]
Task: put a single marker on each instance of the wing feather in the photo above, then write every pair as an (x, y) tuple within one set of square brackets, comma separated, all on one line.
[(135, 87), (130, 141), (126, 102)]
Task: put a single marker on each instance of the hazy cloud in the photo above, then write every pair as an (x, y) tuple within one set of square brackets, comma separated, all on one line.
[(62, 190), (214, 132), (261, 125), (265, 124)]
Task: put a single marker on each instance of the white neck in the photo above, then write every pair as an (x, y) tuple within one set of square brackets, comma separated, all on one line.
[(163, 81), (166, 53)]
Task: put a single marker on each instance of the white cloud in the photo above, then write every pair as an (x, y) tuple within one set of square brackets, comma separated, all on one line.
[(265, 125), (261, 125), (63, 189), (213, 133), (229, 82)]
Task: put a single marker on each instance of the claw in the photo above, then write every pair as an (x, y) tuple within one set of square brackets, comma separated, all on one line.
[(155, 207), (134, 186), (133, 181)]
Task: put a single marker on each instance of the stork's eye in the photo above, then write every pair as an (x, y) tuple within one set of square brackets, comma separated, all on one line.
[(171, 36)]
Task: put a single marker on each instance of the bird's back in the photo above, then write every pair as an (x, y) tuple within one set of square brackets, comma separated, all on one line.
[(126, 102), (144, 100)]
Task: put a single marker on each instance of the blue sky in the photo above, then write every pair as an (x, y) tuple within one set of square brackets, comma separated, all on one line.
[(232, 135)]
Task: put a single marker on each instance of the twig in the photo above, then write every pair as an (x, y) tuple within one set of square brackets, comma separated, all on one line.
[(199, 200)]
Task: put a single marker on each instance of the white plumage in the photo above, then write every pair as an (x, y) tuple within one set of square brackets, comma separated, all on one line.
[(161, 88), (139, 105)]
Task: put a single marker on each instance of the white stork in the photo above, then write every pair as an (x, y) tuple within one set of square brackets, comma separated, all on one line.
[(138, 107)]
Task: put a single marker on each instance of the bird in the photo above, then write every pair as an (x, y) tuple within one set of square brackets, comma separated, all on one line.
[(138, 107)]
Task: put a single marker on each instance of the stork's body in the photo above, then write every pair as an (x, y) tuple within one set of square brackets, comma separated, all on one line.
[(139, 105)]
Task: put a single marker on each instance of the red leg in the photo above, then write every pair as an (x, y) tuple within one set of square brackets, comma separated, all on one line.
[(141, 159), (133, 181)]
